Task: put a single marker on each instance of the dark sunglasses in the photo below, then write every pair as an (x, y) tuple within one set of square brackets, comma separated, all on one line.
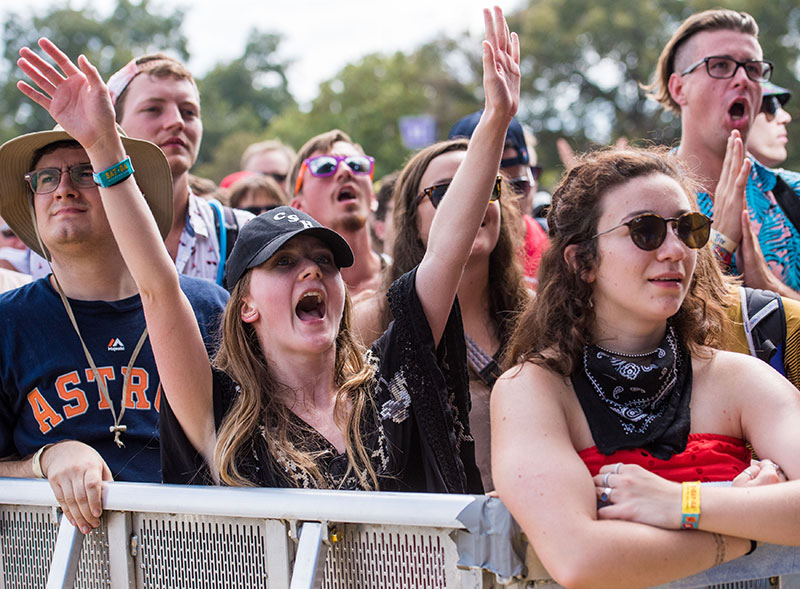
[(46, 180), (770, 105), (648, 231), (323, 166), (436, 193), (279, 178)]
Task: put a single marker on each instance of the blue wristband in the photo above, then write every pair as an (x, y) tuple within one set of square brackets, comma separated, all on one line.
[(115, 174)]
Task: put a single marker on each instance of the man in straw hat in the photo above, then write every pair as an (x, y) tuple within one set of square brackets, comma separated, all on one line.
[(79, 389)]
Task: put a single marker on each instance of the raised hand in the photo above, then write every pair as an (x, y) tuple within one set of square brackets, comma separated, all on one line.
[(729, 195), (500, 64), (76, 96)]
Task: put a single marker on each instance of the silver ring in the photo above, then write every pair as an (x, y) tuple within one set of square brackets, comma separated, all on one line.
[(605, 496), (605, 478), (749, 473), (617, 467)]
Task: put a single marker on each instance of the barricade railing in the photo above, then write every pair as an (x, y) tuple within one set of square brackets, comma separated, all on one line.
[(192, 537)]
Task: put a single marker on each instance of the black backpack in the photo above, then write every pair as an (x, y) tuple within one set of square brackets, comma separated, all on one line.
[(764, 325)]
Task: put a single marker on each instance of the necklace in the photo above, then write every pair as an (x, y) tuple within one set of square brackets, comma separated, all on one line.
[(637, 400)]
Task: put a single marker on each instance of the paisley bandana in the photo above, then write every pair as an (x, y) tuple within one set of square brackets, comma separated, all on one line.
[(637, 401)]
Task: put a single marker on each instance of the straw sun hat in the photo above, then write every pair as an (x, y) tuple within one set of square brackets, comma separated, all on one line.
[(152, 174)]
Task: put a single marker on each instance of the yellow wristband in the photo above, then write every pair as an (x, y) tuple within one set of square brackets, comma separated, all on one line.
[(690, 505)]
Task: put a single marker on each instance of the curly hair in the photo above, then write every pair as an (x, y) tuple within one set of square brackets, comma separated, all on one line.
[(507, 292), (720, 19), (554, 328)]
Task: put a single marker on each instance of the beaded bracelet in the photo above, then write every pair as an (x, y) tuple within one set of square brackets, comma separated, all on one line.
[(690, 505)]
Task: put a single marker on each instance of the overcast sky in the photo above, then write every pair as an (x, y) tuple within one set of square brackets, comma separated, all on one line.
[(320, 36)]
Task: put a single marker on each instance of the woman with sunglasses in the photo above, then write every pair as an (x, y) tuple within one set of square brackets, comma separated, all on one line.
[(307, 406), (492, 290), (619, 405)]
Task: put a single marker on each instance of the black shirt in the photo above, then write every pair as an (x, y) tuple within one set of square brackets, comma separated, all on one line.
[(416, 430)]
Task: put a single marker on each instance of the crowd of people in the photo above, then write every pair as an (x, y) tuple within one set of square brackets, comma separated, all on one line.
[(291, 328)]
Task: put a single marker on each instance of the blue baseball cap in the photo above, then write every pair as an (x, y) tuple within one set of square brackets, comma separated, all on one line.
[(515, 137)]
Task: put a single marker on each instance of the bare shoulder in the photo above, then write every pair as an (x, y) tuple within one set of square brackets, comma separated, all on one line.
[(529, 384), (732, 367)]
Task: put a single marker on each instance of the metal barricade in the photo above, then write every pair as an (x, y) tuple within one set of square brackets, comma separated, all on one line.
[(197, 537)]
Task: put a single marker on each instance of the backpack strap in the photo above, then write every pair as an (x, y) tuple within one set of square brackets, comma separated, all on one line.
[(764, 322), (227, 229)]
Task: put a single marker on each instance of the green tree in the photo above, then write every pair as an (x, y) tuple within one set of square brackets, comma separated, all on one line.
[(239, 98), (367, 99), (109, 42)]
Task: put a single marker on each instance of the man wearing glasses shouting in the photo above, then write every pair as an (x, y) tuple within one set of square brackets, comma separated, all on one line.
[(711, 73), (332, 181)]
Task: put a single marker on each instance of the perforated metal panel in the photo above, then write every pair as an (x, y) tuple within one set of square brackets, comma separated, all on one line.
[(769, 583), (27, 540), (388, 557), (198, 552)]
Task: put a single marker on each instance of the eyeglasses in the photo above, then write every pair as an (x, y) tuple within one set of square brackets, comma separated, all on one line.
[(721, 67), (648, 231), (770, 106), (436, 192), (323, 166), (46, 180)]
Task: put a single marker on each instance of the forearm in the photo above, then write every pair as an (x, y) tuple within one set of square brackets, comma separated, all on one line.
[(462, 210), (768, 513), (13, 466), (132, 223), (624, 554)]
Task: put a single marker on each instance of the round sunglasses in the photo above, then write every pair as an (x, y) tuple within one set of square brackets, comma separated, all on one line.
[(648, 231)]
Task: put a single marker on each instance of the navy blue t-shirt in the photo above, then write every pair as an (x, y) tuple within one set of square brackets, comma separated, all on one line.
[(48, 391)]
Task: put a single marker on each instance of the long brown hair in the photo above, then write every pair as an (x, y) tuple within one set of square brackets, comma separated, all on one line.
[(259, 403), (554, 330), (507, 292)]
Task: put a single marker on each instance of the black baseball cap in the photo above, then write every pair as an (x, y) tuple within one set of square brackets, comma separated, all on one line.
[(515, 137), (264, 235)]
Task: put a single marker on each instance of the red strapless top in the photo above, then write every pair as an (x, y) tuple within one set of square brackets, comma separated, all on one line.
[(708, 457)]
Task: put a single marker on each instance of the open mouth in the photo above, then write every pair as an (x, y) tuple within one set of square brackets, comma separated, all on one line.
[(345, 194), (310, 306), (737, 110)]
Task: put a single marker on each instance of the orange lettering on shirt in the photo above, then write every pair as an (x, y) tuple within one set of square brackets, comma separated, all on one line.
[(76, 394), (106, 373), (137, 385), (45, 416), (158, 398)]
